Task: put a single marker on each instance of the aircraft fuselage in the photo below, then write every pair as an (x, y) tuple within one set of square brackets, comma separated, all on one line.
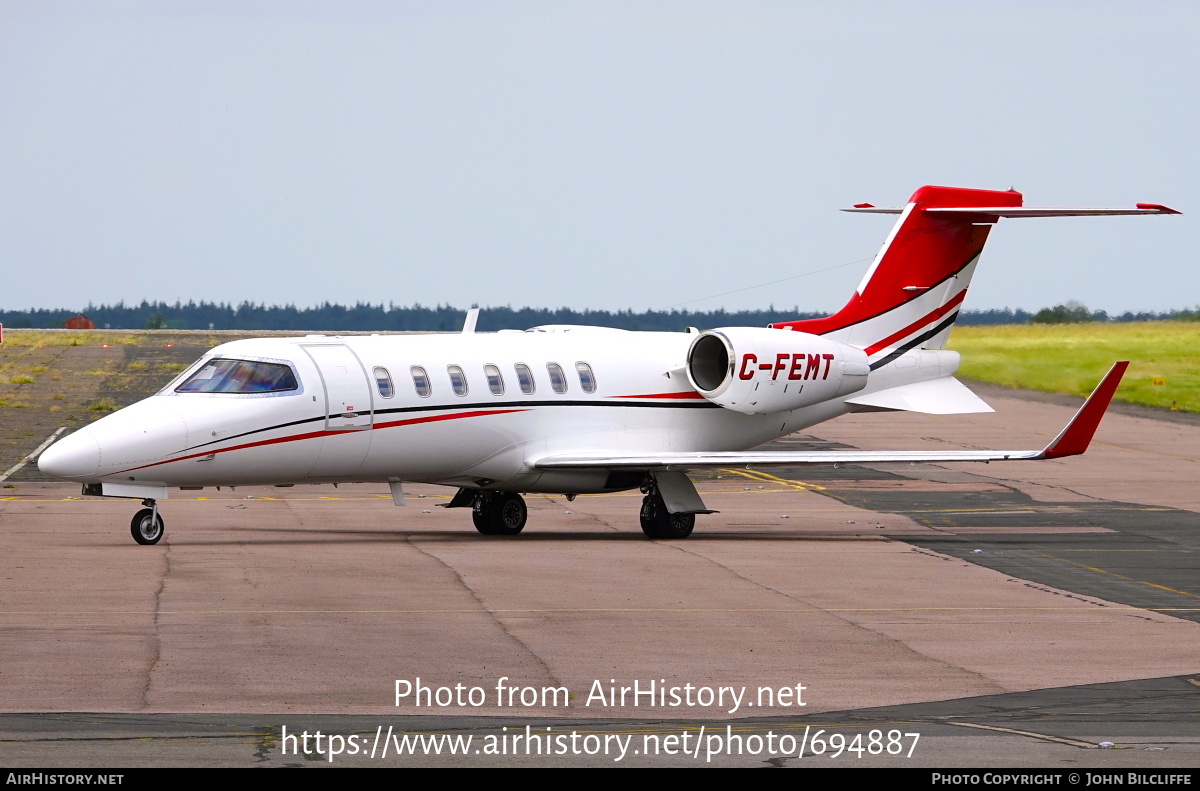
[(357, 414)]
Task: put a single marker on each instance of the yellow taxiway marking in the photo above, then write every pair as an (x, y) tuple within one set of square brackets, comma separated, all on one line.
[(1119, 576), (766, 477), (1176, 549), (1149, 452), (1024, 509)]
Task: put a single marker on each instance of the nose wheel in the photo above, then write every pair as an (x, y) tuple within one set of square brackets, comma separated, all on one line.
[(500, 514), (147, 526)]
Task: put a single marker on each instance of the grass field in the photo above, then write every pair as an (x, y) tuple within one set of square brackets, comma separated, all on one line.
[(50, 380), (1164, 359)]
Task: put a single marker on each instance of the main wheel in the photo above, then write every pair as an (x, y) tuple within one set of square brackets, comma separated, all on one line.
[(658, 522), (508, 514), (502, 514), (146, 527)]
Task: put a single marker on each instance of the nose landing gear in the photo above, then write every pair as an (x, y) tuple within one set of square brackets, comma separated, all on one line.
[(499, 513), (147, 526)]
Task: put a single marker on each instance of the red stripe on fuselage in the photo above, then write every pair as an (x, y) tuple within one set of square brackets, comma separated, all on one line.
[(435, 418), (324, 433), (918, 324)]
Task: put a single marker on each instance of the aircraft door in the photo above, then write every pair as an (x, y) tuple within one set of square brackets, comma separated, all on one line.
[(349, 410), (348, 402)]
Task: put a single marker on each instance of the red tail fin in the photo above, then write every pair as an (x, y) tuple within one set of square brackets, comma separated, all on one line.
[(913, 289)]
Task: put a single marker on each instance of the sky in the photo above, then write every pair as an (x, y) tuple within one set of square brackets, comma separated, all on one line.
[(602, 155)]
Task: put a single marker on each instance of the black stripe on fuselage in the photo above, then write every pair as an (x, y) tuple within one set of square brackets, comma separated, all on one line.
[(915, 342), (477, 405)]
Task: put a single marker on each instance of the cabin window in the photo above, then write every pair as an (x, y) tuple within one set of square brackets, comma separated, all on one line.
[(525, 378), (421, 381), (494, 380), (221, 375), (383, 381), (586, 379), (458, 380), (558, 380)]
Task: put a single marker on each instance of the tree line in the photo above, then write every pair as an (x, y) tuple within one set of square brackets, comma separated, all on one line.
[(1073, 312), (366, 317)]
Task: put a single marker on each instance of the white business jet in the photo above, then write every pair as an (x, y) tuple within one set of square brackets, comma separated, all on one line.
[(571, 410)]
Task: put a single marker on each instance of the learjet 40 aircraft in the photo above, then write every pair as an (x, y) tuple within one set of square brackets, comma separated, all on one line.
[(572, 410)]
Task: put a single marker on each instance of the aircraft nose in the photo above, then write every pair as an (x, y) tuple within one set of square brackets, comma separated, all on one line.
[(74, 456)]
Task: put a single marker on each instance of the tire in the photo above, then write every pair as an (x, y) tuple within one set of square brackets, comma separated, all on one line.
[(503, 514), (508, 514), (146, 528), (482, 523), (658, 522)]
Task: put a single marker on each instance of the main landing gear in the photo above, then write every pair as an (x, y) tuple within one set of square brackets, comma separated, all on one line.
[(504, 513), (499, 513), (658, 522), (147, 526)]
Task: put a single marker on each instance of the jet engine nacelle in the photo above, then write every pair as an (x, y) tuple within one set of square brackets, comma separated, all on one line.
[(761, 371)]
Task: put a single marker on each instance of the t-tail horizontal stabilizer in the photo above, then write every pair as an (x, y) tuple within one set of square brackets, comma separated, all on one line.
[(1073, 440), (1016, 212)]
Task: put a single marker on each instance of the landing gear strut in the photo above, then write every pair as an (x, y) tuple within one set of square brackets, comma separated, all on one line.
[(499, 513), (658, 522), (147, 526)]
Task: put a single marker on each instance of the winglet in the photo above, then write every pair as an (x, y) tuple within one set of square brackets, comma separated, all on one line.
[(1075, 438), (1158, 208)]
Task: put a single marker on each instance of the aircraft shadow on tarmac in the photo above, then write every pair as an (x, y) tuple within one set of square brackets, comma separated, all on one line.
[(270, 536)]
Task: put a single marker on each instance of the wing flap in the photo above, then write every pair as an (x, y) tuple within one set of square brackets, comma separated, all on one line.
[(692, 461)]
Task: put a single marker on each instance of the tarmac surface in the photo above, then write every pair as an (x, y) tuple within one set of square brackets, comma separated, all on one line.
[(1012, 614)]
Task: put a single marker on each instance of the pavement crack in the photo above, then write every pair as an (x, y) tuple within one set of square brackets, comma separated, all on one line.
[(491, 614), (297, 514), (1016, 490), (846, 620), (156, 636)]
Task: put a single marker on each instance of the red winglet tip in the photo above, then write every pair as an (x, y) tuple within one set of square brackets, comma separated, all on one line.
[(1078, 434), (1159, 208), (864, 206)]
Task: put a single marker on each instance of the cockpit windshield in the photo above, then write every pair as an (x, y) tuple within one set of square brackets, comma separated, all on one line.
[(240, 376)]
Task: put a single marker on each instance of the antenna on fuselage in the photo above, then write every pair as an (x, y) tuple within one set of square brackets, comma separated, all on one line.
[(471, 320)]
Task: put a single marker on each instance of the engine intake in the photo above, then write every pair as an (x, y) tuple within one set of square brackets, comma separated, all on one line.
[(761, 371)]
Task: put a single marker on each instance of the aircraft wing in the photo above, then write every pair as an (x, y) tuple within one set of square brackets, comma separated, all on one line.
[(1071, 441)]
